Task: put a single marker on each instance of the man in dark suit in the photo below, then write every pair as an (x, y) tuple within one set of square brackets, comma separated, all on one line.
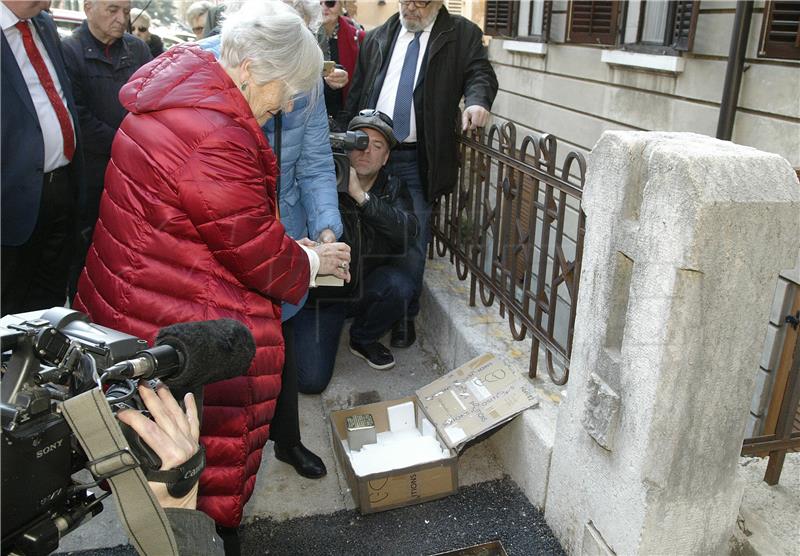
[(40, 160), (416, 68), (100, 57)]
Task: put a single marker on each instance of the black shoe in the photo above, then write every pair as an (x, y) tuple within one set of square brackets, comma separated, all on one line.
[(403, 334), (375, 354), (230, 540), (304, 461)]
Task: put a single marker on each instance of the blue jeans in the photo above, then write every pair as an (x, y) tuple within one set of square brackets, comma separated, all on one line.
[(404, 165), (386, 293)]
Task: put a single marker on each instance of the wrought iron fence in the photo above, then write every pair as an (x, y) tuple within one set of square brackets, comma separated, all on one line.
[(514, 227)]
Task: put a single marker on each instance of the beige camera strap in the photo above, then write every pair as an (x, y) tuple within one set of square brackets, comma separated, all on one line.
[(96, 428)]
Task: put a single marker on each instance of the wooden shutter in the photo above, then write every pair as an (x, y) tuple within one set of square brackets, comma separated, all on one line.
[(683, 27), (455, 7), (500, 19), (780, 36), (547, 16), (593, 22)]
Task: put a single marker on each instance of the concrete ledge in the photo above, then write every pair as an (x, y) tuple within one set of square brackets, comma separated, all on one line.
[(638, 60), (458, 333), (526, 47)]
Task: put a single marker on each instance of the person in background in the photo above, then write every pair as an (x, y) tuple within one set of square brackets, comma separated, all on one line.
[(339, 40), (196, 17), (308, 208), (189, 227), (41, 161), (140, 23), (350, 11), (379, 225), (100, 58), (417, 67)]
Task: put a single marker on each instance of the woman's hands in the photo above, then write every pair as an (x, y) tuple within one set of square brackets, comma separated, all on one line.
[(334, 258), (173, 436)]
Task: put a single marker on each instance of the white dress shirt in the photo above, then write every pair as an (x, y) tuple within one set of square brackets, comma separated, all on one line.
[(389, 90), (48, 121)]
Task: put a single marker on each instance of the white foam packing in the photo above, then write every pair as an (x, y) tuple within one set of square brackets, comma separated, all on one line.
[(396, 450)]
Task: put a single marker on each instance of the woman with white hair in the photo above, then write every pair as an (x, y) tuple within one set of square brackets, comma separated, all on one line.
[(189, 228)]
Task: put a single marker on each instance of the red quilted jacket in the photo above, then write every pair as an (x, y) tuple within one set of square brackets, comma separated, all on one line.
[(188, 231)]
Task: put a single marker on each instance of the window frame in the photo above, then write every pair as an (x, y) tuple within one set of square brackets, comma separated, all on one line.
[(771, 49), (514, 9)]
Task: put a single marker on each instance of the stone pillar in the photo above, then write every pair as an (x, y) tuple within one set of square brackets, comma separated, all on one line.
[(685, 237)]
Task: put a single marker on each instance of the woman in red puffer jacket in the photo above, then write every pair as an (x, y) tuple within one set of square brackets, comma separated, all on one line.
[(188, 228)]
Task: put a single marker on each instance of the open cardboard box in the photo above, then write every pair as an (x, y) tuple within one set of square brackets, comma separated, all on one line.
[(462, 405)]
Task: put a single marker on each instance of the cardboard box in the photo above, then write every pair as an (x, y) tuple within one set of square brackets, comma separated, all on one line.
[(462, 405)]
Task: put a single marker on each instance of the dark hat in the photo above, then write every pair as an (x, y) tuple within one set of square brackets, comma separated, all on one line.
[(376, 120)]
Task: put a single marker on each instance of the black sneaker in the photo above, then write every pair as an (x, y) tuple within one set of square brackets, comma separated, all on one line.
[(375, 354)]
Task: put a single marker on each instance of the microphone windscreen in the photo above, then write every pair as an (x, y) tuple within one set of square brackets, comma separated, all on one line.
[(213, 350)]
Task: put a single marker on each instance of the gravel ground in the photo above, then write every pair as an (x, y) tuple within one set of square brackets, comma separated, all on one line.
[(494, 510)]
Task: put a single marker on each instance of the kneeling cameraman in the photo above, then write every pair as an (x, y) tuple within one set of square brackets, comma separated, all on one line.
[(379, 225)]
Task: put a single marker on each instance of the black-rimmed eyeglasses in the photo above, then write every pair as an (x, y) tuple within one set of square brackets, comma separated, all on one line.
[(371, 113), (329, 3), (142, 29)]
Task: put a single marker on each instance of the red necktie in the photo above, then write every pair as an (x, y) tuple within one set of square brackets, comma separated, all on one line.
[(49, 87)]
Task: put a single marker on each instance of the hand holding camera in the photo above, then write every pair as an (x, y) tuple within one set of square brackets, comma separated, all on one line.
[(172, 434)]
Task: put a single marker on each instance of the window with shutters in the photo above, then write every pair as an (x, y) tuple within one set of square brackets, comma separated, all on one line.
[(593, 22), (780, 34), (660, 27), (522, 19), (500, 17)]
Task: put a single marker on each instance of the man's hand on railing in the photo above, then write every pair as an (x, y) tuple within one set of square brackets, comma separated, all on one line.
[(474, 117)]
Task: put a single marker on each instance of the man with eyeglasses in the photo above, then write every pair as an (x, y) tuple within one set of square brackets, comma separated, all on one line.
[(379, 225), (416, 67), (100, 57)]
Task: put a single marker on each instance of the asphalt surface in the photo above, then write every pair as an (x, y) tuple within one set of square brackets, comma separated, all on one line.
[(483, 512)]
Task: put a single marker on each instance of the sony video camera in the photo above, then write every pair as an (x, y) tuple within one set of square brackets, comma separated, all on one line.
[(341, 143), (53, 355)]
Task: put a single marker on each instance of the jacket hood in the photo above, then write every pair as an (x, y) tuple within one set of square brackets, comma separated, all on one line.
[(183, 77)]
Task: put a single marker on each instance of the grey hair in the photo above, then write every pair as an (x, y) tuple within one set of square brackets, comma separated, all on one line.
[(198, 9), (276, 42), (310, 11), (140, 15)]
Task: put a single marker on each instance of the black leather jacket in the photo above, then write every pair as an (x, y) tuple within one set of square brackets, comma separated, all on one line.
[(377, 233), (455, 64)]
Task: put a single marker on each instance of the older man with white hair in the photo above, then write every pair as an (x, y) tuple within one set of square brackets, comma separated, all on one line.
[(100, 56), (416, 68)]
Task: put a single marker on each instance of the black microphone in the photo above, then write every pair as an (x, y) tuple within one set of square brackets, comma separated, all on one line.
[(192, 354)]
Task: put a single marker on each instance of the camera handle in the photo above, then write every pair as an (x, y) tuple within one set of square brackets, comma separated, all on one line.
[(90, 418)]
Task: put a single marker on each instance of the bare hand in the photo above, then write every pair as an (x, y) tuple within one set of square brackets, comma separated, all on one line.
[(354, 188), (474, 117), (337, 79), (173, 436), (327, 236), (334, 258)]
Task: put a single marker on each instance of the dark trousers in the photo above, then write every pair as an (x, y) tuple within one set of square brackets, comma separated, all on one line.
[(34, 275), (285, 426), (385, 296), (403, 164)]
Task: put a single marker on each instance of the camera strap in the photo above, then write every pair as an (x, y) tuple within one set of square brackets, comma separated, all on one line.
[(90, 418)]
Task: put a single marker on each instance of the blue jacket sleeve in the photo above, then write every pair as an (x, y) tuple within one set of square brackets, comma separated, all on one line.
[(315, 174)]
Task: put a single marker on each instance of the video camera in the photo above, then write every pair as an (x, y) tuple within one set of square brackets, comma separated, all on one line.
[(341, 143), (52, 356)]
